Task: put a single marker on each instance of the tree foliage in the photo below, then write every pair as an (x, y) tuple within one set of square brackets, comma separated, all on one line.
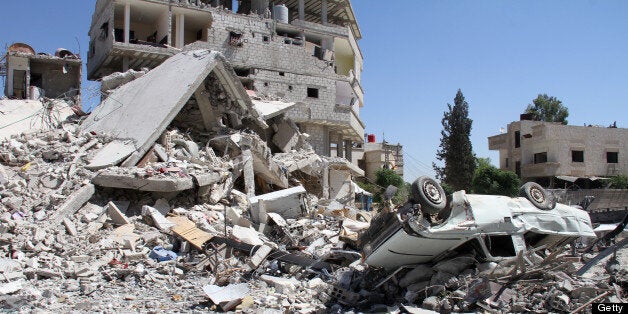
[(490, 180), (619, 182), (548, 109), (455, 149), (386, 177)]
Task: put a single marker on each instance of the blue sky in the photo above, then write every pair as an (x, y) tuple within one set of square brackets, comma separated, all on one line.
[(501, 54)]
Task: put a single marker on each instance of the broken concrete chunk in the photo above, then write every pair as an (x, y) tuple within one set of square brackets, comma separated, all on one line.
[(72, 204), (11, 287), (283, 285), (259, 256), (246, 235), (289, 203), (227, 297), (70, 227), (162, 206), (116, 215), (158, 219)]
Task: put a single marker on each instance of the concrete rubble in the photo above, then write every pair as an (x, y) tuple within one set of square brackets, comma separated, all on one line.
[(237, 213)]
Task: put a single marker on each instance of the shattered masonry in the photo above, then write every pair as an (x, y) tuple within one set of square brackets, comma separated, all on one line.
[(186, 190)]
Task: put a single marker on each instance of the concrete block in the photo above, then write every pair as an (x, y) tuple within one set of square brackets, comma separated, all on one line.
[(283, 285), (246, 235), (259, 256), (152, 184), (70, 227), (116, 215), (72, 204), (286, 137), (158, 219), (289, 203)]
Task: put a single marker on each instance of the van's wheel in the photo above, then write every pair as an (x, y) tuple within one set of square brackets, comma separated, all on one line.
[(427, 192), (537, 195)]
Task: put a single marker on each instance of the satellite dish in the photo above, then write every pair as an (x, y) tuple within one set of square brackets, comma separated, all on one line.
[(502, 130)]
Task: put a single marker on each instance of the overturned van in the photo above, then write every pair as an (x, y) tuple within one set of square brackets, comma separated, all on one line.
[(493, 227)]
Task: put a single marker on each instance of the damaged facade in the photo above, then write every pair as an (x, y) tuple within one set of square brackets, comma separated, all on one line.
[(296, 51), (33, 76), (183, 191)]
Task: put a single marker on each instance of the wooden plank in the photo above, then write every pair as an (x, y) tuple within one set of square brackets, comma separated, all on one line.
[(187, 230)]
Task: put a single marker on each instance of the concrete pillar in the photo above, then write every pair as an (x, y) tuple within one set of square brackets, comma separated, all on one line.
[(125, 64), (249, 173), (348, 149), (301, 10), (180, 30), (127, 23), (324, 12), (326, 181), (339, 147)]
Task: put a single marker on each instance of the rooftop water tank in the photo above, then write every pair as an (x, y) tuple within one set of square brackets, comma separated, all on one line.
[(280, 13)]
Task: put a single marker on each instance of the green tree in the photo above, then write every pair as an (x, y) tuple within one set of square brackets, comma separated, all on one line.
[(386, 177), (487, 179), (455, 149), (619, 182), (548, 109)]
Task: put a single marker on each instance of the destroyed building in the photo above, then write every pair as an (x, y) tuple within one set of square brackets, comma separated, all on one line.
[(301, 51), (31, 75), (185, 192)]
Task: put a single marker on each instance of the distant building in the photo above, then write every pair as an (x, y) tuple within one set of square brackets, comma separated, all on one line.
[(543, 151), (30, 75), (302, 51), (373, 156)]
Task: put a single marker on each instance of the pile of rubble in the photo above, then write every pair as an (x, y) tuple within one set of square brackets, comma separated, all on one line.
[(218, 203)]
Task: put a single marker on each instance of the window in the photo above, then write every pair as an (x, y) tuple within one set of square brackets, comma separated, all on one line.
[(312, 92), (265, 39), (517, 139), (282, 73), (235, 39), (540, 158), (290, 87), (577, 156), (612, 157), (500, 245)]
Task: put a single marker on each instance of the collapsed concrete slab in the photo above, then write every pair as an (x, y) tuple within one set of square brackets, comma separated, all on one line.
[(162, 92), (289, 203)]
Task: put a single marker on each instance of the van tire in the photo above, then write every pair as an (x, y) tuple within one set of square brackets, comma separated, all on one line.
[(537, 195), (429, 194)]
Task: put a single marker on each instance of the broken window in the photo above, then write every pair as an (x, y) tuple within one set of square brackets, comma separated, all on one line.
[(312, 92), (612, 157), (36, 80), (235, 39), (577, 156), (104, 30), (500, 245), (517, 139), (540, 158)]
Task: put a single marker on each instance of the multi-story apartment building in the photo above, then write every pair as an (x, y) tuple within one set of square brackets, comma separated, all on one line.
[(542, 151), (303, 51)]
